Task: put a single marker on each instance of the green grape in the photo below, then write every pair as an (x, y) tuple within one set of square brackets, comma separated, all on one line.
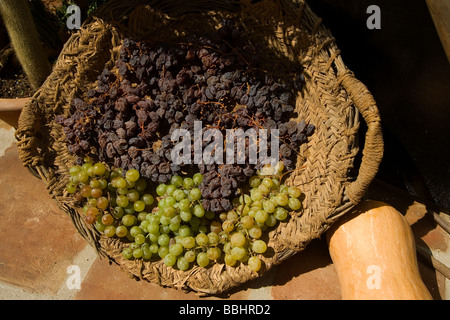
[(247, 222), (282, 199), (142, 216), (197, 178), (110, 231), (294, 204), (276, 184), (263, 189), (170, 259), (71, 188), (202, 259), (294, 192), (119, 182), (135, 230), (138, 253), (154, 238), (161, 189), (170, 189), (132, 195), (94, 183), (184, 205), (153, 248), (227, 226), (132, 175), (267, 182), (153, 228), (256, 195), (101, 227), (122, 201), (177, 181), (75, 170), (184, 231), (102, 183), (139, 206), (190, 256), (169, 212), (254, 182), (268, 206), (213, 238), (121, 231), (254, 263), (280, 214), (164, 220), (122, 191), (237, 239), (127, 253), (182, 263), (259, 246), (175, 220), (213, 253), (147, 254), (174, 227), (118, 212), (83, 176), (188, 242), (170, 201), (255, 232), (148, 199), (87, 161), (163, 251), (229, 260), (232, 216), (261, 216), (99, 169), (176, 249), (128, 220), (198, 210), (139, 239), (195, 194), (188, 183), (271, 221), (202, 239), (283, 188), (238, 253), (163, 240), (279, 167), (179, 195), (186, 215)]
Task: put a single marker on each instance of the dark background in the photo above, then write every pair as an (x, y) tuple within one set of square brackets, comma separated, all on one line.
[(405, 67)]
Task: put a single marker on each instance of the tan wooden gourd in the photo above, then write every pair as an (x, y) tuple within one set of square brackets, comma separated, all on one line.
[(373, 250)]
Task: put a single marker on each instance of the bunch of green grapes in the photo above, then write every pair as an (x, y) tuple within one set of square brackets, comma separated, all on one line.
[(265, 204), (176, 228), (112, 200)]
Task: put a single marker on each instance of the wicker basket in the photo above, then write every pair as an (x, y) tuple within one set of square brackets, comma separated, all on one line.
[(289, 34)]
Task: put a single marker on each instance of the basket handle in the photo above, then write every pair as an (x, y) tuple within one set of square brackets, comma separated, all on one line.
[(373, 146)]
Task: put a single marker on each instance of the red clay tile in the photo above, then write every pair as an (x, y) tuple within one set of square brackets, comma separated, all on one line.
[(37, 239), (309, 274)]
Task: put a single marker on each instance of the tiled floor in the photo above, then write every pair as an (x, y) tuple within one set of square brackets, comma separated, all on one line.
[(39, 248)]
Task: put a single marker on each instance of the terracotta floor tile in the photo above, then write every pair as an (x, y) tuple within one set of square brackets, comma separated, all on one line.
[(309, 275), (37, 240)]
